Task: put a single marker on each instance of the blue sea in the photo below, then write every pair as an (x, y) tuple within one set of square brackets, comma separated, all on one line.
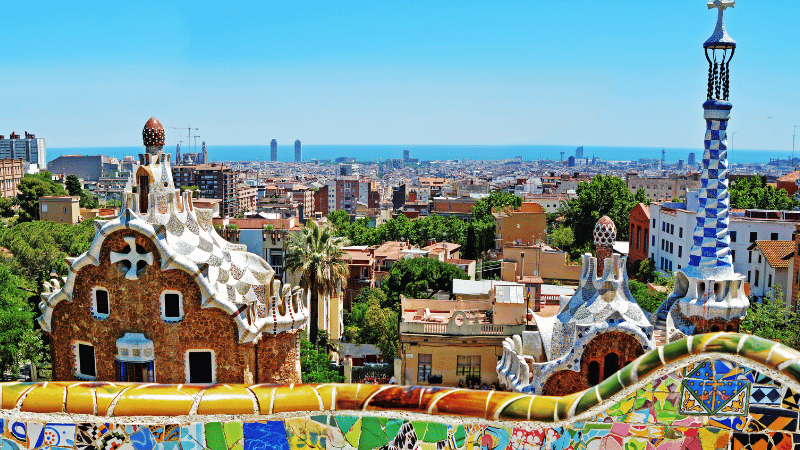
[(438, 152)]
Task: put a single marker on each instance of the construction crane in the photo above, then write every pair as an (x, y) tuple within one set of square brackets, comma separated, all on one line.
[(189, 128)]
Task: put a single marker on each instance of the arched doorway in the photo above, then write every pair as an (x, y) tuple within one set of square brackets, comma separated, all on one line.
[(607, 353)]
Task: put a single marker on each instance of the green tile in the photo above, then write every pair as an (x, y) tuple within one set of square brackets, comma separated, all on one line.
[(215, 438), (372, 434), (234, 435)]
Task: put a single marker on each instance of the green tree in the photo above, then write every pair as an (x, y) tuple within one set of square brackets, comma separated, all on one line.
[(339, 220), (7, 207), (648, 299), (19, 342), (419, 278), (755, 193), (646, 272), (370, 321), (772, 319), (316, 254), (562, 237), (195, 190), (604, 195), (31, 188), (73, 185), (315, 365), (497, 199)]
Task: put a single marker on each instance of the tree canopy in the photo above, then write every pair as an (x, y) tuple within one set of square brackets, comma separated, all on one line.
[(370, 321), (420, 278), (497, 199), (315, 365), (604, 195), (31, 187), (19, 342), (755, 193), (772, 319)]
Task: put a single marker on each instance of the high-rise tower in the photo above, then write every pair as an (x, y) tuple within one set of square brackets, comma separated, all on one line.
[(298, 151), (708, 295), (273, 150), (205, 153)]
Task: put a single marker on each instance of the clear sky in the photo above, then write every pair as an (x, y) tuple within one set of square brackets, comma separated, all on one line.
[(628, 73)]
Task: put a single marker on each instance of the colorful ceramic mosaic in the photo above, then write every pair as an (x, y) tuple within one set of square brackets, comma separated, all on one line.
[(709, 392)]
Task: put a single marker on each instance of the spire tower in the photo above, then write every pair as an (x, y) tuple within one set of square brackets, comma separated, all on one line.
[(708, 294)]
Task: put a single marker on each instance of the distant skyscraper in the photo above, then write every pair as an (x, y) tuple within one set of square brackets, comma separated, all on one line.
[(178, 154), (405, 155), (205, 153), (273, 147), (30, 149), (579, 153), (298, 151), (571, 161), (691, 159)]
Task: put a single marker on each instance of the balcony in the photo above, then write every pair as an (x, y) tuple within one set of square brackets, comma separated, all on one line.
[(453, 329)]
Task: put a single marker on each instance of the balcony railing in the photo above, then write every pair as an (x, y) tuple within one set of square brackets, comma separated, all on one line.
[(453, 329)]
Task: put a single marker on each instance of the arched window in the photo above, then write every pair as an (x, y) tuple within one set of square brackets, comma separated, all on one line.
[(594, 373), (610, 365)]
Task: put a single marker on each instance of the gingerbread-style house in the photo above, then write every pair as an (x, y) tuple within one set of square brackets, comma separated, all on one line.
[(161, 297)]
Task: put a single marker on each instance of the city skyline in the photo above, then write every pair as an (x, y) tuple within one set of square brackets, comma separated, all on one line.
[(394, 74)]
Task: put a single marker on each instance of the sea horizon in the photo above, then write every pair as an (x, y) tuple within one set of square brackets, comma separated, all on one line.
[(368, 152)]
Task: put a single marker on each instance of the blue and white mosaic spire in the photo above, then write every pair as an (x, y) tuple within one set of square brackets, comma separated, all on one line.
[(710, 255)]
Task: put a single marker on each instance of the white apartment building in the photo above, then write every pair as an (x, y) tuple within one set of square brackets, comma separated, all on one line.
[(672, 227)]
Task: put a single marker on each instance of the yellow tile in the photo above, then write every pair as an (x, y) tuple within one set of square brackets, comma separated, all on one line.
[(105, 393), (48, 398), (226, 399), (263, 393), (12, 392), (296, 398), (80, 399), (153, 400), (328, 394), (353, 396)]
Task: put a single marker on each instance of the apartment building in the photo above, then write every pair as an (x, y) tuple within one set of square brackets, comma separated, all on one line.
[(663, 188), (638, 242), (345, 192), (672, 227), (11, 172), (213, 181)]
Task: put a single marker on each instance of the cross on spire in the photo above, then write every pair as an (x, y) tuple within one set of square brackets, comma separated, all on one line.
[(132, 257), (721, 4)]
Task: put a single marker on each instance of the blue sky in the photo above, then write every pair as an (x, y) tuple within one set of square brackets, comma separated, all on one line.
[(627, 73)]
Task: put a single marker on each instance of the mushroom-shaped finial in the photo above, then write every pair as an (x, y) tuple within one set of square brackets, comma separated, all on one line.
[(605, 232)]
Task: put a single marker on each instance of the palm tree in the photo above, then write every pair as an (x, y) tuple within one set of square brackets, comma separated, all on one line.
[(316, 253)]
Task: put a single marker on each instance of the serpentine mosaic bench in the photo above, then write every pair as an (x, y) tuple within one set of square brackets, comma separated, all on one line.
[(707, 392)]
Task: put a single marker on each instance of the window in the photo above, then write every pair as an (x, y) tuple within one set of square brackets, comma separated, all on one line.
[(468, 366), (759, 258), (769, 280), (733, 236), (733, 255), (201, 367), (753, 236), (671, 247), (680, 232), (171, 306), (654, 241), (748, 276), (663, 226), (680, 251), (654, 223), (138, 372), (84, 361), (773, 236), (749, 257), (100, 305), (423, 367), (756, 283)]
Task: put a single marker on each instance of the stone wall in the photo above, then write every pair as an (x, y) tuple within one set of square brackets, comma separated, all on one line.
[(135, 306)]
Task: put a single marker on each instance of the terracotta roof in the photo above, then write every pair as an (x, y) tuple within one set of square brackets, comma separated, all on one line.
[(776, 251), (793, 176)]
